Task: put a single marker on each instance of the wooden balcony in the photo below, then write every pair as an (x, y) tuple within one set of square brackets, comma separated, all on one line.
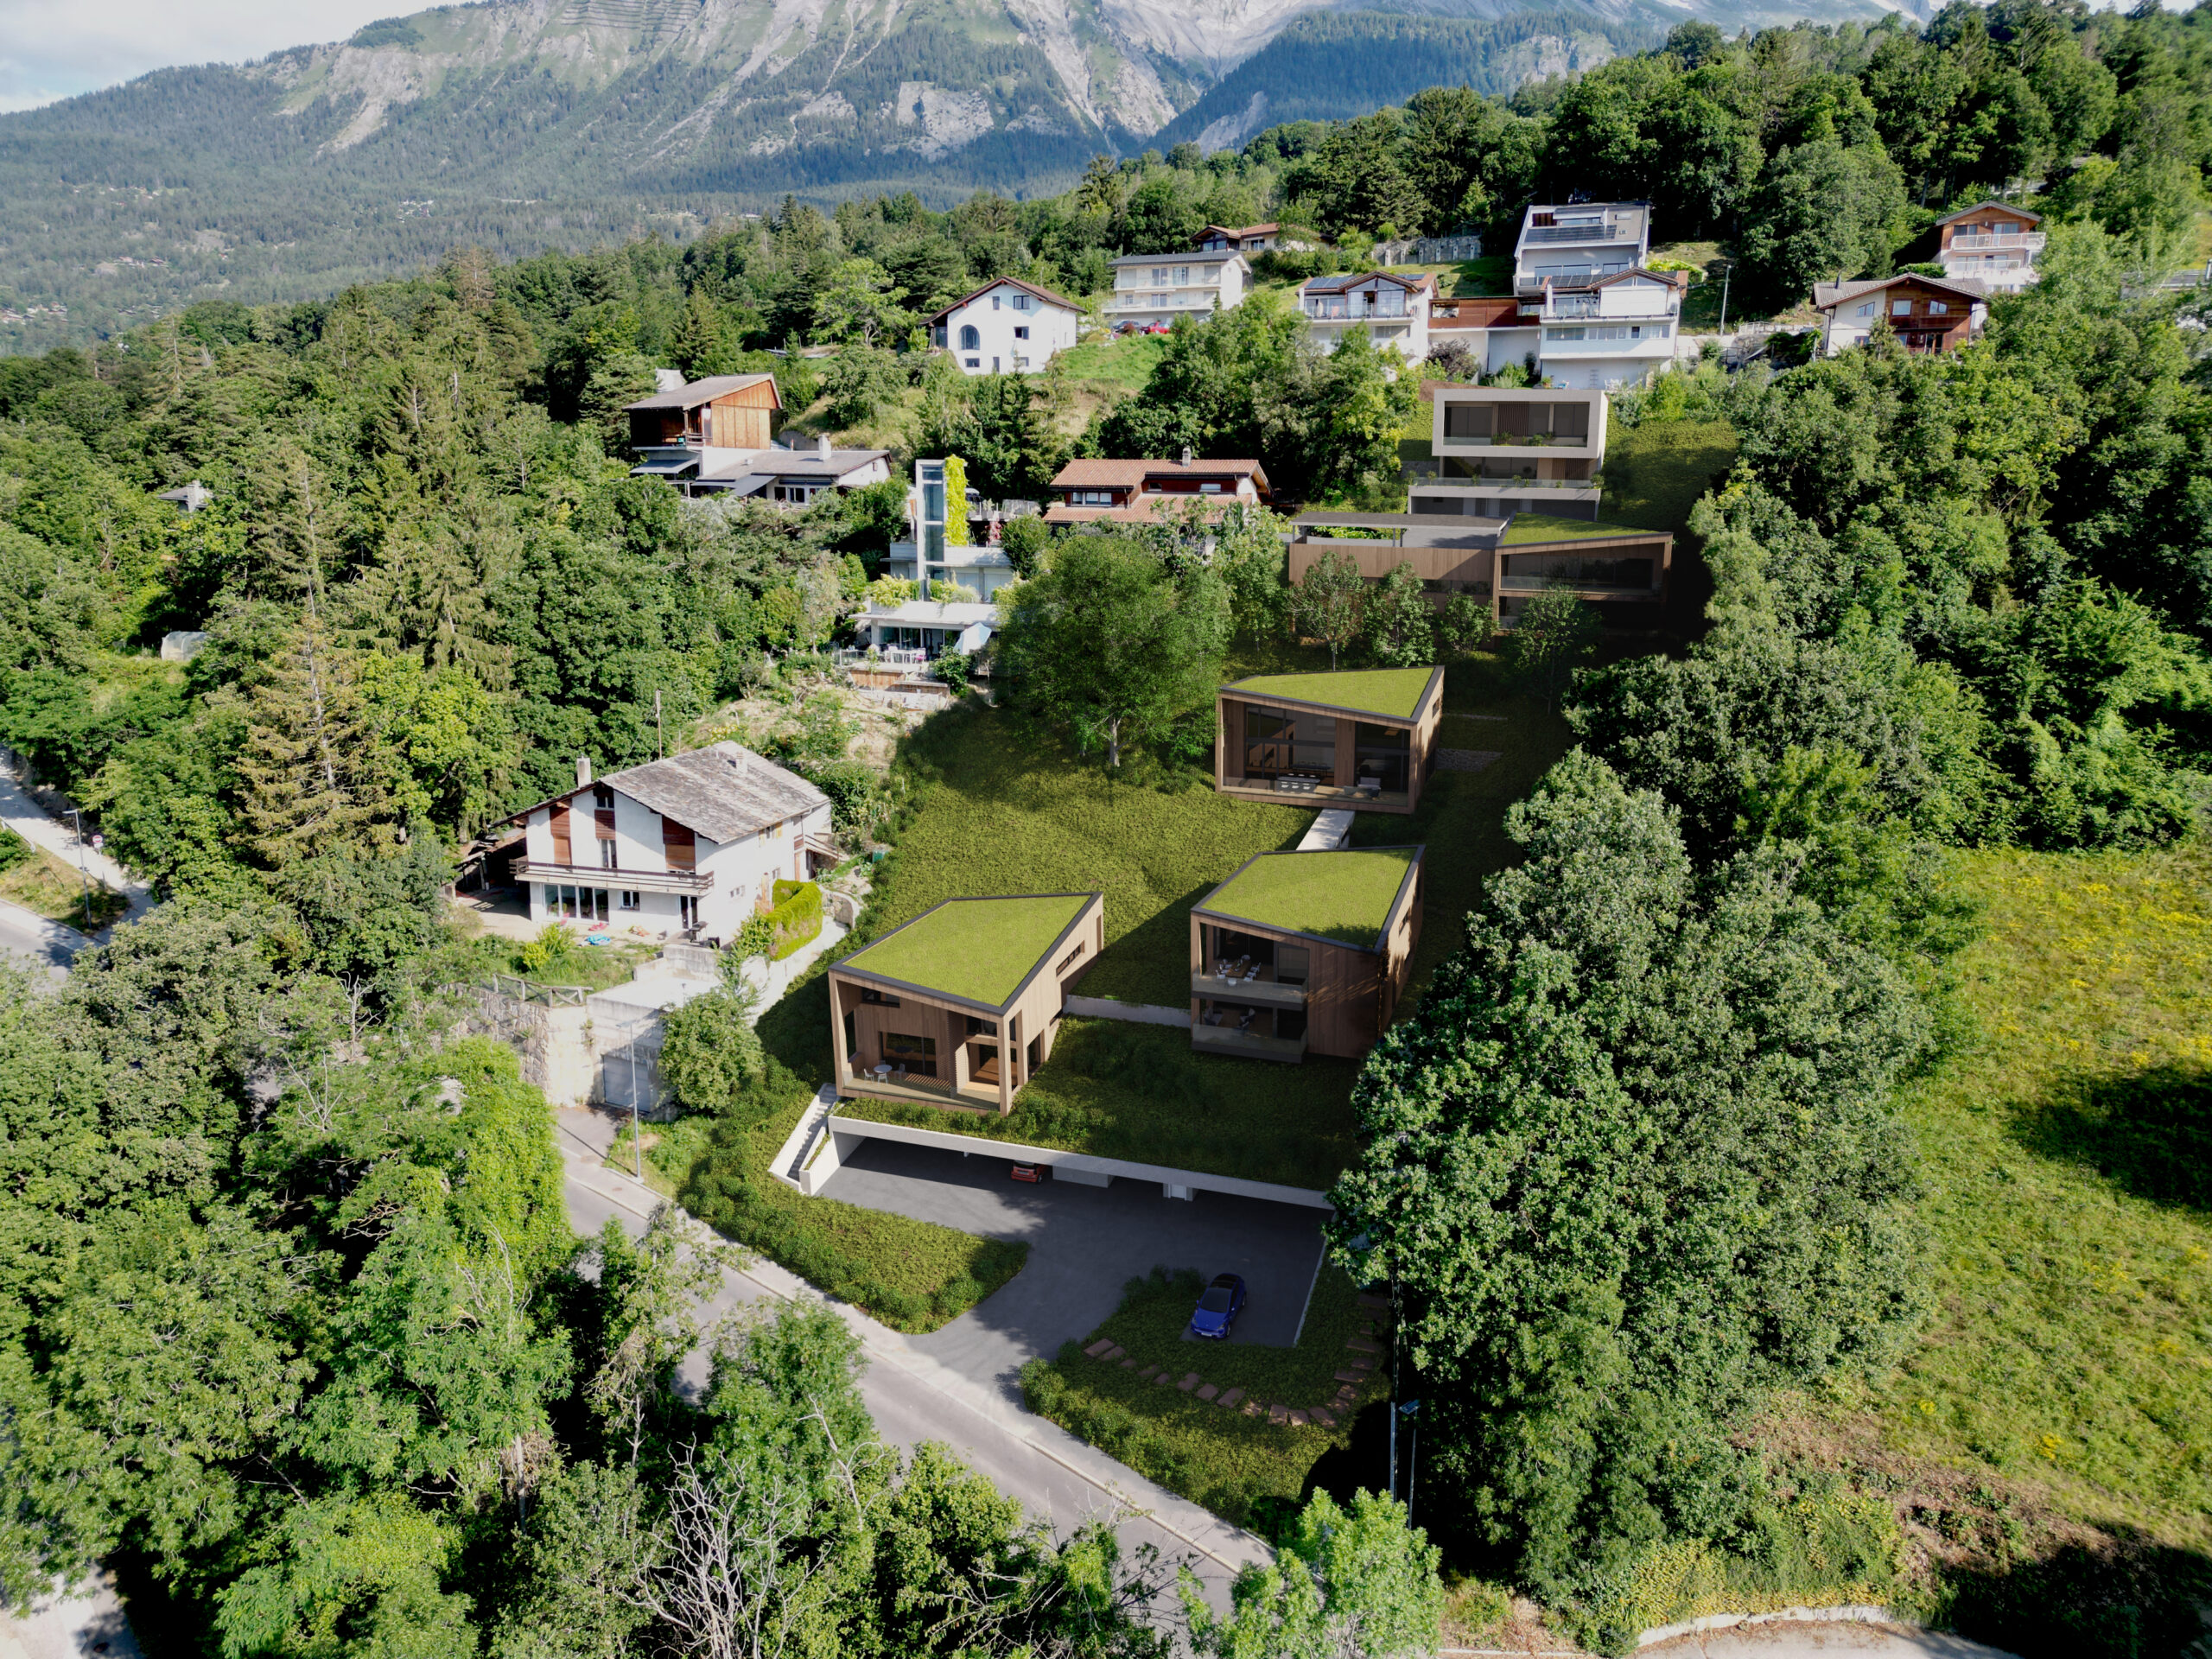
[(595, 875), (1252, 993), (925, 1092)]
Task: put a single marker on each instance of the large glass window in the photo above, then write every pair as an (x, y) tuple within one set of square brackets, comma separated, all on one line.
[(1280, 743), (1384, 758), (916, 1055)]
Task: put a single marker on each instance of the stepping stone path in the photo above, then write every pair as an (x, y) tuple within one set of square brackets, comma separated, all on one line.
[(1361, 1351)]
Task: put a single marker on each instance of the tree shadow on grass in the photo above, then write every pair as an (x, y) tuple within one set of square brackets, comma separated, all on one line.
[(2151, 1134), (2129, 1599)]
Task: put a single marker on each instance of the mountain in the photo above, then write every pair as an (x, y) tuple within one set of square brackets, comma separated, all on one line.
[(519, 124)]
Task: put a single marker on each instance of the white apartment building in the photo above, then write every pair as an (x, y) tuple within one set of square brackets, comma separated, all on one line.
[(1152, 289), (1612, 332), (1392, 308), (1993, 244), (691, 844), (1501, 450), (1006, 326)]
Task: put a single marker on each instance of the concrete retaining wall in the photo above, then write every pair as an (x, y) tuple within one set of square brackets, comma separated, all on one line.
[(1141, 1014), (1081, 1168)]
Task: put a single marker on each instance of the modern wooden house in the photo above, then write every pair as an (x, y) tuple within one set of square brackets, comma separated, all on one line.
[(957, 1007), (1365, 738), (1305, 953), (723, 411)]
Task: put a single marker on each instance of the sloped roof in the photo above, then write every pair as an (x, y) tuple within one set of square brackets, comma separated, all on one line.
[(1217, 255), (1045, 294), (705, 392), (1984, 207), (725, 792), (1350, 280), (1267, 229), (1828, 296), (1100, 474)]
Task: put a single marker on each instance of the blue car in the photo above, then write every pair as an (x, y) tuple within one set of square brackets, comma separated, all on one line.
[(1218, 1306)]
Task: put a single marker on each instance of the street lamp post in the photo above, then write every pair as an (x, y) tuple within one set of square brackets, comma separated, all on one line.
[(1727, 269), (1411, 1412)]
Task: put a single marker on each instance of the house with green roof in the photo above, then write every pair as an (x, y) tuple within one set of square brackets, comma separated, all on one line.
[(957, 1007), (1305, 953), (1365, 738)]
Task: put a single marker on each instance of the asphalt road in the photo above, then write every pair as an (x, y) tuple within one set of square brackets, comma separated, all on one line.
[(1085, 1243), (27, 939), (914, 1396)]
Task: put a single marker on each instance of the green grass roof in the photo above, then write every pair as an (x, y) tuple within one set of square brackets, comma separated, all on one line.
[(1549, 527), (1342, 896), (980, 949), (1392, 691)]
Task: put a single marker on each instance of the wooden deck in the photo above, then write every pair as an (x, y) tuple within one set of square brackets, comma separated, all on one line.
[(922, 1092)]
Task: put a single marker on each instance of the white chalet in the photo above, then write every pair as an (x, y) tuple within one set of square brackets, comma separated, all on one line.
[(692, 844), (1005, 325)]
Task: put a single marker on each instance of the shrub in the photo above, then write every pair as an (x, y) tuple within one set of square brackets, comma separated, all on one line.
[(14, 849), (553, 948), (952, 667), (794, 918)]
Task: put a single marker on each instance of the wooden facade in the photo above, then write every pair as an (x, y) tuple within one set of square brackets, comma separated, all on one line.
[(1623, 569), (708, 416), (955, 1052), (1302, 994), (1278, 749)]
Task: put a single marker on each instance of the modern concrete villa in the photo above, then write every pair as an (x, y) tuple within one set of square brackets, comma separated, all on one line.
[(1301, 953), (1365, 738), (956, 1008)]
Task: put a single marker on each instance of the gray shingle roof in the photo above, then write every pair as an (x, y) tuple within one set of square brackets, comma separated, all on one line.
[(725, 792), (699, 391)]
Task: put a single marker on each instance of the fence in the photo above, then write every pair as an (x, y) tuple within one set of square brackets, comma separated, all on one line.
[(1446, 250), (553, 996)]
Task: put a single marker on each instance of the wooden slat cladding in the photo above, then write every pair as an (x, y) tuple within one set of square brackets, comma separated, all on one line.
[(561, 853), (678, 845)]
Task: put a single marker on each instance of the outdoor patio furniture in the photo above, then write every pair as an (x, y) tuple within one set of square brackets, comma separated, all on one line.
[(882, 1071)]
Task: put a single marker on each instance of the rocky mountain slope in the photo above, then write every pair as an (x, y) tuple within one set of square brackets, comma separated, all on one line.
[(520, 123)]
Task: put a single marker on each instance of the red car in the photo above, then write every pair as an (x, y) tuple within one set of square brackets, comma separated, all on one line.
[(1027, 1173)]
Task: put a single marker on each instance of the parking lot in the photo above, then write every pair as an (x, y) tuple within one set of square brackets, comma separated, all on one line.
[(1084, 1243)]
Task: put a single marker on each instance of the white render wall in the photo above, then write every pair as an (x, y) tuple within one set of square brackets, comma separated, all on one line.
[(743, 871), (1052, 328)]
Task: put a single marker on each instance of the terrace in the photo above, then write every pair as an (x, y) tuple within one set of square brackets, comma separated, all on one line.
[(956, 1008), (1362, 739), (1304, 950)]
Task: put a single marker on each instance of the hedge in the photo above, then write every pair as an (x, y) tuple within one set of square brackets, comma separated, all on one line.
[(796, 916)]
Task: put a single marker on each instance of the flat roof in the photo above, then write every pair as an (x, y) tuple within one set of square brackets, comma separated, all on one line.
[(1548, 527), (1345, 897), (1394, 692), (976, 949)]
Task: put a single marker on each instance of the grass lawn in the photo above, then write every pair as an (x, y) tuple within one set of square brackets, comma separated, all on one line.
[(1008, 808), (1122, 1090), (1113, 363), (913, 1275), (2065, 1380), (1393, 692), (1346, 896), (1525, 527), (1655, 472), (36, 879), (1236, 1462), (980, 949)]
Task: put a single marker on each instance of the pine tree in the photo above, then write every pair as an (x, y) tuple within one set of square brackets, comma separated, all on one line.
[(309, 762)]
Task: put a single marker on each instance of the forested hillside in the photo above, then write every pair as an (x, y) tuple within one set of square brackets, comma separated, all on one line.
[(1793, 1183)]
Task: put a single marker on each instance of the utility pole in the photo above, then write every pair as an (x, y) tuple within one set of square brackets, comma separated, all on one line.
[(83, 878), (1727, 269), (1393, 1385), (1411, 1412)]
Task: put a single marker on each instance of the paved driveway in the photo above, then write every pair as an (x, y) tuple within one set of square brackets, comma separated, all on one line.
[(1085, 1242)]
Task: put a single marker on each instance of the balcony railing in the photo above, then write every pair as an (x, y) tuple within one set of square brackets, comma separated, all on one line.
[(1505, 484), (1553, 233), (597, 875), (2029, 242), (1517, 441), (1324, 311), (1259, 992), (1227, 1039), (934, 1091)]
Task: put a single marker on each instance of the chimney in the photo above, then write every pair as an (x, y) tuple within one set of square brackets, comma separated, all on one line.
[(822, 447), (1186, 454), (583, 770)]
